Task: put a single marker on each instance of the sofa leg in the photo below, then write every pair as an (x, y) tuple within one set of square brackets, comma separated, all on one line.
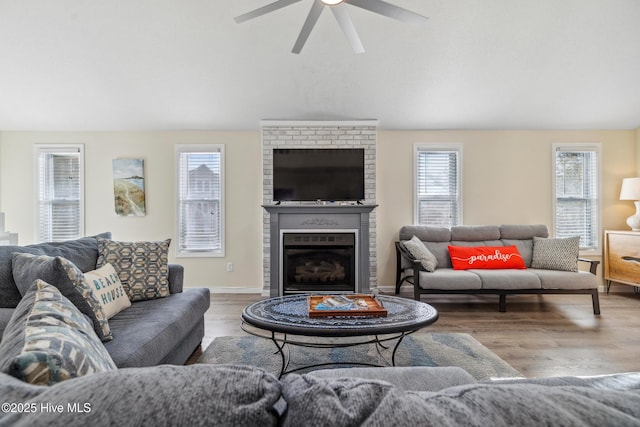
[(503, 303), (595, 299)]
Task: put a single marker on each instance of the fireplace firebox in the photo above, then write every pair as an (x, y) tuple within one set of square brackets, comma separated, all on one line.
[(318, 262)]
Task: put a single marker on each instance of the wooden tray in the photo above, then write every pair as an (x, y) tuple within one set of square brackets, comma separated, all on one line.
[(374, 306)]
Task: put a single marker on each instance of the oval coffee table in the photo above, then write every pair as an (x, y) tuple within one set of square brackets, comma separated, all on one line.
[(288, 315)]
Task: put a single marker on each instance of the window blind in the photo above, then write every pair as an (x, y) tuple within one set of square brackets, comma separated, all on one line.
[(437, 186), (200, 201), (60, 204), (577, 198)]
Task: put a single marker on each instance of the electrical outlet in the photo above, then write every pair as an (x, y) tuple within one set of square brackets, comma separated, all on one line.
[(229, 266)]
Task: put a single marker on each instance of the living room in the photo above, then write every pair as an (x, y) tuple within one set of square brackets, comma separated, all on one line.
[(482, 78)]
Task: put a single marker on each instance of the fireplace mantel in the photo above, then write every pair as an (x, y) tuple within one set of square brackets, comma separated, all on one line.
[(331, 217)]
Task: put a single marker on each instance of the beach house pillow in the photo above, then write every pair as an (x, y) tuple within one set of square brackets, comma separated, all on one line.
[(485, 257), (66, 276), (556, 254), (107, 288), (48, 340), (420, 252), (142, 266)]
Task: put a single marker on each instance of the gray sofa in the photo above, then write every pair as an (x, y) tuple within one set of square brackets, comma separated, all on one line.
[(159, 331), (233, 395), (445, 280)]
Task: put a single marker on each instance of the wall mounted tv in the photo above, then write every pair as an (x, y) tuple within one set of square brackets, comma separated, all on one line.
[(327, 174)]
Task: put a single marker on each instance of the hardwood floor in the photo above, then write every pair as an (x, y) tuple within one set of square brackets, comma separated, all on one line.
[(539, 335)]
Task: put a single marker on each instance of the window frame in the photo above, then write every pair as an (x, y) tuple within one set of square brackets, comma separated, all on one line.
[(451, 147), (59, 149), (200, 148), (580, 147)]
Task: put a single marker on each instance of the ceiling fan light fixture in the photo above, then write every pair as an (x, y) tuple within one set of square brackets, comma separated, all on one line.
[(331, 2)]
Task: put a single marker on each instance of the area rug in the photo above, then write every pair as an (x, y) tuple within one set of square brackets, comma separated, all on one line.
[(419, 349)]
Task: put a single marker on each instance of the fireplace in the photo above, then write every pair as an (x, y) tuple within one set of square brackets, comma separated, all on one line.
[(318, 262)]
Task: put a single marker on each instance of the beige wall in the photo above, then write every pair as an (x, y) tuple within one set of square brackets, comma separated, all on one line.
[(243, 194), (506, 179)]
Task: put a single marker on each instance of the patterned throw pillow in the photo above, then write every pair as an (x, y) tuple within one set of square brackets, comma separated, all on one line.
[(107, 288), (422, 253), (66, 276), (556, 254), (142, 266), (56, 342)]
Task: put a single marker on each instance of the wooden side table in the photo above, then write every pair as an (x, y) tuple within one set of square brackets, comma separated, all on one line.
[(622, 258)]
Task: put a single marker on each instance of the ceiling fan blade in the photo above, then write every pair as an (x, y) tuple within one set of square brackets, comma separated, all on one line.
[(389, 10), (342, 16), (309, 23), (279, 4)]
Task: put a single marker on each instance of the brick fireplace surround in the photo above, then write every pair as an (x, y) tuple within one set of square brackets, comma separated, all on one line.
[(320, 134)]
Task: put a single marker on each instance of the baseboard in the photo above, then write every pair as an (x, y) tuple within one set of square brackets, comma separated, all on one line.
[(235, 290)]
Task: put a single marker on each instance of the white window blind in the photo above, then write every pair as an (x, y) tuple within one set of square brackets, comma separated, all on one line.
[(437, 186), (200, 174), (577, 199), (60, 178)]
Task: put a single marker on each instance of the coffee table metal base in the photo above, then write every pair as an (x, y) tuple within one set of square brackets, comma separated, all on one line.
[(283, 343)]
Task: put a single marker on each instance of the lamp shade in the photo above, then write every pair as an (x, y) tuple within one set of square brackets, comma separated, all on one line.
[(630, 189)]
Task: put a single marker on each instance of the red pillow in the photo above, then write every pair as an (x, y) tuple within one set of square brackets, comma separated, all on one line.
[(489, 257)]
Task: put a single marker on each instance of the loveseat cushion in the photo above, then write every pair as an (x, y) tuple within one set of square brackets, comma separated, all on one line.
[(145, 333), (195, 395), (475, 233), (348, 401), (554, 279), (82, 252), (508, 279), (450, 279)]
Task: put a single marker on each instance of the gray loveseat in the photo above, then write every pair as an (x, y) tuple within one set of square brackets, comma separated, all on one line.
[(446, 280), (233, 395), (159, 331)]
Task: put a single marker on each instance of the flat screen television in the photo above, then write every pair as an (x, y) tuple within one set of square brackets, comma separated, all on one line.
[(311, 174)]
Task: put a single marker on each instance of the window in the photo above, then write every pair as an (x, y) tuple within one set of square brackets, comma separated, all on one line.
[(200, 191), (438, 194), (60, 192), (577, 195)]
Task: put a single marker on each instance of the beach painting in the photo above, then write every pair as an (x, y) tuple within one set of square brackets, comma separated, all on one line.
[(128, 187)]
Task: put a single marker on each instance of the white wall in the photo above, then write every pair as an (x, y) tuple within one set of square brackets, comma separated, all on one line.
[(506, 179)]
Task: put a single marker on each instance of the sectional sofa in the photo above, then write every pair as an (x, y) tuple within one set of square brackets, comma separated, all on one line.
[(234, 395), (152, 332), (547, 266)]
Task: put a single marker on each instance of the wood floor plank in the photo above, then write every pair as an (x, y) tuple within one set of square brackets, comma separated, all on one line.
[(539, 336)]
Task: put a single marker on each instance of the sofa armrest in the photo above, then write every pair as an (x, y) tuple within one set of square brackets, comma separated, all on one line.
[(403, 254), (594, 264), (176, 278)]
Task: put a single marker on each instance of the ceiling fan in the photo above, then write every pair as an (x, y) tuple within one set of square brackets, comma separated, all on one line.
[(340, 12)]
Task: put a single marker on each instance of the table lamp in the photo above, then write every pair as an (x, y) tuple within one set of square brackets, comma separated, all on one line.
[(631, 191)]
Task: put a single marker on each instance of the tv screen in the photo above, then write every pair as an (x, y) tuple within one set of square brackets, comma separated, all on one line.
[(327, 174)]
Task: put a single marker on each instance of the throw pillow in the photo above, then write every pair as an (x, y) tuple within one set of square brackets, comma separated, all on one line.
[(48, 340), (82, 252), (107, 288), (64, 275), (485, 257), (556, 254), (142, 266), (420, 252)]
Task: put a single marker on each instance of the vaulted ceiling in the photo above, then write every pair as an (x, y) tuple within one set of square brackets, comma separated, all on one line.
[(186, 64)]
